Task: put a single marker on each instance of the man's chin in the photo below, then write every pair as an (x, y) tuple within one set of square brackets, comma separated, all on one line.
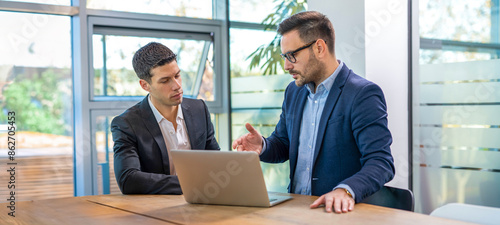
[(177, 102), (299, 83)]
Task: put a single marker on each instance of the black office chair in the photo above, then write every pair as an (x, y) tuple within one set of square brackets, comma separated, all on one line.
[(393, 198)]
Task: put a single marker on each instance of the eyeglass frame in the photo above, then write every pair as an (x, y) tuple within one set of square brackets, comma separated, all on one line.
[(291, 54)]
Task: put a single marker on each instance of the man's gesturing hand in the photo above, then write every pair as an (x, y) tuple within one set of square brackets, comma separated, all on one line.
[(251, 141)]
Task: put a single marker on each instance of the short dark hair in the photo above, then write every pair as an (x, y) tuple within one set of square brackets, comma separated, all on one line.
[(311, 25), (150, 56)]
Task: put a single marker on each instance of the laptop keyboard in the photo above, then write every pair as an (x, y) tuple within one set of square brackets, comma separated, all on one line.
[(272, 197)]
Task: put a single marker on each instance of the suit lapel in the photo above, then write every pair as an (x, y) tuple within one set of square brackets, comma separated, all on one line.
[(188, 119), (330, 103), (299, 111), (154, 129)]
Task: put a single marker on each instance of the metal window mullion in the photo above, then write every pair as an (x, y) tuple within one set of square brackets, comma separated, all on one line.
[(201, 69), (104, 68), (429, 43), (130, 31), (251, 26), (151, 17), (84, 159), (495, 24), (105, 169)]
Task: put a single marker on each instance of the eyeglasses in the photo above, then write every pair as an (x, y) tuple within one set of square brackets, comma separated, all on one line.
[(291, 54)]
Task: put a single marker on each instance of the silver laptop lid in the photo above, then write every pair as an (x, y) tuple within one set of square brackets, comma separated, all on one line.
[(221, 177)]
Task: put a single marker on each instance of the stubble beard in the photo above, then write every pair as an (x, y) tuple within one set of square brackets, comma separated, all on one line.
[(312, 73)]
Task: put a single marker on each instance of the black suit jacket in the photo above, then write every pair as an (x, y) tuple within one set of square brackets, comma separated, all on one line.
[(140, 155)]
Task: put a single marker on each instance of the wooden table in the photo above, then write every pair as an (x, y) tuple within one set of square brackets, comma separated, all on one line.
[(172, 209)]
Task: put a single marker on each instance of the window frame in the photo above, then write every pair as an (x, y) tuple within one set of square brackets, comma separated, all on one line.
[(150, 26), (86, 108), (153, 28)]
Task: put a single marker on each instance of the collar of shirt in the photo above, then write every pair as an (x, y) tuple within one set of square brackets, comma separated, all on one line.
[(327, 84), (158, 115)]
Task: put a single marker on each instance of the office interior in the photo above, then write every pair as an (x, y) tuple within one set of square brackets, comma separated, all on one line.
[(65, 71)]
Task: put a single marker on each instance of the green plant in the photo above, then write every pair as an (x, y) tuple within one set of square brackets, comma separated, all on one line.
[(38, 101), (269, 54)]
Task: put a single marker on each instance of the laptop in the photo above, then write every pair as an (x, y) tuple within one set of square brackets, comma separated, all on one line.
[(223, 178)]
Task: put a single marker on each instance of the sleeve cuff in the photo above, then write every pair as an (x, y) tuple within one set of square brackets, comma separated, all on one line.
[(263, 145), (348, 188)]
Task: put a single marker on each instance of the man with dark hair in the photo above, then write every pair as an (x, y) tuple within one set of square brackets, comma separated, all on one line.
[(333, 125), (144, 134)]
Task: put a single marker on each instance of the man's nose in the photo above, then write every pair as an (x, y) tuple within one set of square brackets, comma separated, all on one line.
[(288, 65), (177, 84)]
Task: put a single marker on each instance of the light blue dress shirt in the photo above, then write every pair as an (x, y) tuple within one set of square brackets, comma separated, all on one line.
[(309, 133)]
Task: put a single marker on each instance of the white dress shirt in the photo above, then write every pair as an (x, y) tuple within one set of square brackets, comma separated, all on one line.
[(174, 139)]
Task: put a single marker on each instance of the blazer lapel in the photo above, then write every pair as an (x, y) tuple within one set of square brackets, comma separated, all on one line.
[(294, 143), (330, 103), (150, 121), (188, 119)]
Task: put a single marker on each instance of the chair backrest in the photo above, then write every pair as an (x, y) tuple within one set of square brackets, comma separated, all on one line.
[(468, 213), (393, 198)]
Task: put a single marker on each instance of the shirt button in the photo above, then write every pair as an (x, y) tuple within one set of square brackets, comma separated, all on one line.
[(316, 101), (307, 168)]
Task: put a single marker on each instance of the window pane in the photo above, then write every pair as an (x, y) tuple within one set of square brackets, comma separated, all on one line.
[(255, 98), (52, 2), (470, 21), (456, 147), (116, 77), (254, 11), (242, 43), (106, 181), (430, 56), (36, 84), (185, 8), (206, 91)]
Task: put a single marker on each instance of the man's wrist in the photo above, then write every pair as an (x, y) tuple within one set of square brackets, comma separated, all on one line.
[(346, 191)]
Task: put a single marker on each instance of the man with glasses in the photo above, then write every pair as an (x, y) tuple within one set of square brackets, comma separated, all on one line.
[(333, 125), (145, 133)]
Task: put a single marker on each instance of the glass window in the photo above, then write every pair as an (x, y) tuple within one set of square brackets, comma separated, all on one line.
[(114, 86), (36, 84), (256, 98), (106, 181), (466, 21), (243, 42), (115, 75), (432, 56), (253, 11), (456, 153), (184, 8)]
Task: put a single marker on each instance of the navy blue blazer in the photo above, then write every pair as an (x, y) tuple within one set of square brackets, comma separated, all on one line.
[(140, 155), (353, 143)]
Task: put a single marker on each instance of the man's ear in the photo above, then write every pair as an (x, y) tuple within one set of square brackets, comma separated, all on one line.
[(322, 47), (144, 85)]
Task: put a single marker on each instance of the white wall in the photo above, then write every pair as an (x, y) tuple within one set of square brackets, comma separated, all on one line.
[(348, 21), (380, 53)]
